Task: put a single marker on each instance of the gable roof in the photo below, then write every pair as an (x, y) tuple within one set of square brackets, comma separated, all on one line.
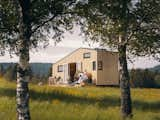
[(94, 49)]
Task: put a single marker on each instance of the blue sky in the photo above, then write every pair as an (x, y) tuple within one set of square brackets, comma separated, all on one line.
[(71, 42)]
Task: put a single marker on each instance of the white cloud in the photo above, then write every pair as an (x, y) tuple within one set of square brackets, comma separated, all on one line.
[(50, 54), (146, 62)]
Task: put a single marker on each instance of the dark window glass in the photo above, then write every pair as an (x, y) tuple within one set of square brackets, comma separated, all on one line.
[(86, 55), (94, 65), (100, 65), (60, 68)]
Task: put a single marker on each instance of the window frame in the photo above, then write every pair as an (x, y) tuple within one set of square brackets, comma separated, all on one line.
[(94, 66), (88, 55), (100, 65), (60, 68)]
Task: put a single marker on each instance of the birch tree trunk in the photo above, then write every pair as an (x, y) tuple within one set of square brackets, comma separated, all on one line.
[(23, 75), (126, 108)]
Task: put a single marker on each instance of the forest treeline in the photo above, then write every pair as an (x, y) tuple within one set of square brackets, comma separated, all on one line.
[(39, 71), (139, 78), (144, 78)]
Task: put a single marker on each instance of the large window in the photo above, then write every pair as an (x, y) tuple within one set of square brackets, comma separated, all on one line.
[(100, 65), (87, 55), (60, 68), (94, 65)]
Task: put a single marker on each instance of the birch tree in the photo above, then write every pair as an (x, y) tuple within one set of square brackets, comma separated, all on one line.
[(131, 27), (25, 24)]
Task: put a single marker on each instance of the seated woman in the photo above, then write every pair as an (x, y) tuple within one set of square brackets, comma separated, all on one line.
[(82, 77)]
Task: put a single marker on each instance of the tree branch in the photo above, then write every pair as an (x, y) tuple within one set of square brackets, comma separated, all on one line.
[(50, 19), (43, 23)]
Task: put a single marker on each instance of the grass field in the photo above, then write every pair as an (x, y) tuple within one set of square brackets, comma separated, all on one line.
[(87, 103)]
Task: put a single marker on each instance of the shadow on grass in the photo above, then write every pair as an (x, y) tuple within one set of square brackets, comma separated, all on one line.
[(50, 96), (104, 102)]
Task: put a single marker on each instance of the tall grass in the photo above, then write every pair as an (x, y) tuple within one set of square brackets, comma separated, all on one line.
[(87, 103)]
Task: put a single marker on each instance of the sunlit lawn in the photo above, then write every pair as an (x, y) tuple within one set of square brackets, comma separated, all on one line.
[(86, 103)]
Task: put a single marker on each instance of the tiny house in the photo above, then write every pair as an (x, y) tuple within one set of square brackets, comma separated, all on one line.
[(101, 64)]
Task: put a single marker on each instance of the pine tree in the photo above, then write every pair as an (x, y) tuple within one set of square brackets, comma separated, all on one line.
[(1, 70)]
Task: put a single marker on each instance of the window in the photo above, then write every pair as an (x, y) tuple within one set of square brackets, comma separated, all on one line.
[(87, 55), (60, 68), (100, 65), (94, 65)]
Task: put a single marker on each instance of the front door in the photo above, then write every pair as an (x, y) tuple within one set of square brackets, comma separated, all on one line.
[(72, 70)]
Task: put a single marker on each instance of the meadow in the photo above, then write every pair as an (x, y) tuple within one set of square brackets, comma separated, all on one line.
[(83, 103)]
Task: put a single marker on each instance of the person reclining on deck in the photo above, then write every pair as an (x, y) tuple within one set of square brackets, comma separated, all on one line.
[(82, 77)]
